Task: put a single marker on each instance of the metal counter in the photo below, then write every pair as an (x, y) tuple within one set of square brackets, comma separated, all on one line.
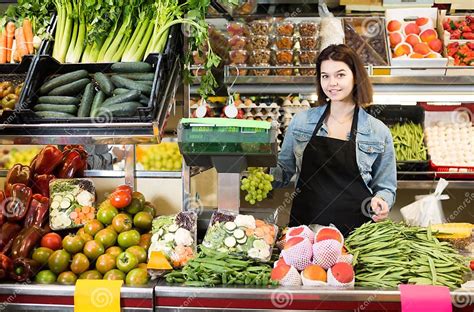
[(35, 297), (181, 298)]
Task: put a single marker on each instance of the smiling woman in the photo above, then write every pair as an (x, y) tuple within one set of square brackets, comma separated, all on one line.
[(344, 157)]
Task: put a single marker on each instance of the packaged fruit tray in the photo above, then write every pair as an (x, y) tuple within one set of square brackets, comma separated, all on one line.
[(12, 86), (107, 80)]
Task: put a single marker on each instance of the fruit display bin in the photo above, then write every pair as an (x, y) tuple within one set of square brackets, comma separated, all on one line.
[(392, 114), (45, 66)]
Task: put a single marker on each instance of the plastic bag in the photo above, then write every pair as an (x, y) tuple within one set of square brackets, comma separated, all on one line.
[(175, 237), (241, 235), (426, 210)]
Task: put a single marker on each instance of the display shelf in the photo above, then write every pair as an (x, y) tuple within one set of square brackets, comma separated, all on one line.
[(431, 184), (35, 297), (168, 298)]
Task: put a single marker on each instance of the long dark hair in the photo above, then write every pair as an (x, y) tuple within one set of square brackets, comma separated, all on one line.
[(362, 92)]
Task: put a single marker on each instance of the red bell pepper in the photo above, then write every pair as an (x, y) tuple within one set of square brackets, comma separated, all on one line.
[(468, 35), (6, 266), (25, 241), (24, 269), (41, 184), (17, 206), (3, 219), (8, 232), (72, 165), (38, 212), (47, 160), (17, 174)]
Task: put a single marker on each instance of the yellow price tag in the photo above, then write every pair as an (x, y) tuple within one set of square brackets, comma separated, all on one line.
[(97, 296)]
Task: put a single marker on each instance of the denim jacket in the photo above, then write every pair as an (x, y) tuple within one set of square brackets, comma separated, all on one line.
[(375, 153)]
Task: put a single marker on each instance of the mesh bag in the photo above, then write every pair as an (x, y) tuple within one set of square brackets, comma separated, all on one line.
[(292, 278), (333, 282), (332, 228), (308, 282), (326, 253), (345, 258), (298, 255), (280, 244), (305, 232)]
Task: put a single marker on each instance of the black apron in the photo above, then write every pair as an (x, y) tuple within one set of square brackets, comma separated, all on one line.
[(330, 188)]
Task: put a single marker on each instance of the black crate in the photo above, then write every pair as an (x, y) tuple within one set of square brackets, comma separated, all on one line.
[(46, 67), (392, 114), (16, 73)]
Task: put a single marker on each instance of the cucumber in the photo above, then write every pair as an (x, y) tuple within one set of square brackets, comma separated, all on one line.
[(144, 100), (118, 91), (146, 83), (239, 234), (132, 67), (70, 109), (130, 96), (242, 241), (230, 241), (122, 82), (127, 109), (48, 114), (86, 102), (66, 100), (230, 226), (104, 83), (99, 98), (63, 80), (139, 76), (72, 88), (65, 203)]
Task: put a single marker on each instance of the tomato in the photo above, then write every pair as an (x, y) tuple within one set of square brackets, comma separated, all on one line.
[(126, 262), (139, 252), (122, 223), (106, 214), (105, 263), (93, 249), (136, 277), (67, 278), (134, 207), (41, 255), (148, 207), (73, 243), (145, 241), (128, 239), (52, 241), (142, 266), (120, 199), (124, 188), (91, 275), (114, 275), (85, 236), (471, 264), (45, 277), (59, 261), (93, 226), (80, 263), (140, 197), (114, 251), (142, 220), (106, 237)]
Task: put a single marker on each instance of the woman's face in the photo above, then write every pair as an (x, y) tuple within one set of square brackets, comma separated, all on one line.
[(337, 80)]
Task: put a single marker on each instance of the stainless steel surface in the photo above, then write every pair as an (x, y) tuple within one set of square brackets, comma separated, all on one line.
[(130, 167), (121, 174), (228, 191), (428, 185)]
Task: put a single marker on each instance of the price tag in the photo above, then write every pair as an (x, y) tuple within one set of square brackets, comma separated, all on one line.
[(97, 296)]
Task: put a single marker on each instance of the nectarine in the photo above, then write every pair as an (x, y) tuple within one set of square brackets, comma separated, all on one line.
[(411, 28), (436, 45), (395, 38), (428, 35), (394, 25), (421, 48), (402, 49), (412, 39)]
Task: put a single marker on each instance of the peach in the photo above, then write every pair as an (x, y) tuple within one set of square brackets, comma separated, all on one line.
[(328, 233), (343, 272), (416, 55), (436, 45), (394, 25), (315, 273), (433, 55), (293, 241), (412, 39), (412, 28), (424, 23), (421, 48), (279, 272), (402, 49), (428, 35), (395, 38)]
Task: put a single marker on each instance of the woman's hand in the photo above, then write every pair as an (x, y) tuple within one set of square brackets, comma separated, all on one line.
[(380, 208)]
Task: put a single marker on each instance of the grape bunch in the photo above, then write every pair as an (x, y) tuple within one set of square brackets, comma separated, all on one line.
[(257, 185)]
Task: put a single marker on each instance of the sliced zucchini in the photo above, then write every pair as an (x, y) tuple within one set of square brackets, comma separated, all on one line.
[(230, 226), (65, 203), (173, 228), (259, 244), (230, 242), (70, 197), (55, 204), (239, 234), (242, 240)]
